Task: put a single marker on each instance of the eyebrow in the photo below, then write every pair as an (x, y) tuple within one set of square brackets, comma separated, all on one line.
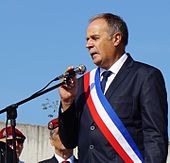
[(92, 36)]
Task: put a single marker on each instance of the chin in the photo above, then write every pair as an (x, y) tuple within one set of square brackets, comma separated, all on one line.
[(63, 148), (96, 62)]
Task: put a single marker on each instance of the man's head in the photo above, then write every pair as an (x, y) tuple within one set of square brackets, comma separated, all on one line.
[(107, 37), (6, 136), (55, 141)]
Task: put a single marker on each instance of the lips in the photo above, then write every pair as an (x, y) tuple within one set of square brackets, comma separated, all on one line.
[(93, 50), (92, 54)]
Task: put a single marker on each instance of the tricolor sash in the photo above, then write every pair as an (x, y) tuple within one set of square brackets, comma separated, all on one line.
[(108, 121)]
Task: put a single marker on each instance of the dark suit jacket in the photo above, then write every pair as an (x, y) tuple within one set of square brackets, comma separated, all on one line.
[(54, 160), (51, 160), (5, 154), (139, 97)]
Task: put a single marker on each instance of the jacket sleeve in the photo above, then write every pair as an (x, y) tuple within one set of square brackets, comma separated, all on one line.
[(154, 110), (68, 127)]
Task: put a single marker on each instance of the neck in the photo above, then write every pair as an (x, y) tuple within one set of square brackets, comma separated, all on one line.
[(65, 154), (110, 62)]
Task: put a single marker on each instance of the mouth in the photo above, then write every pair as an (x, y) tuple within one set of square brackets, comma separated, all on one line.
[(93, 55)]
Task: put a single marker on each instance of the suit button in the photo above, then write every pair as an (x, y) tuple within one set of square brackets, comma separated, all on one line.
[(92, 128), (91, 146)]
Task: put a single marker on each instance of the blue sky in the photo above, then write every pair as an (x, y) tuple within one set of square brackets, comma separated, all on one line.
[(39, 39)]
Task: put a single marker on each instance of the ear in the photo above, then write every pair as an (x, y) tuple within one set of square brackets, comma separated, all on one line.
[(117, 38)]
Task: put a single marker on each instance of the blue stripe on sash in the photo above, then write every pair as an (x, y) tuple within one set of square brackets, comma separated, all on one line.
[(115, 119)]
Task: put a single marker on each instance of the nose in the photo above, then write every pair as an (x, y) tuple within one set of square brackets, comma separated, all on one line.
[(89, 44), (17, 144)]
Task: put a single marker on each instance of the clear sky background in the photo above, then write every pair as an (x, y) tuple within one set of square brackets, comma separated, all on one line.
[(39, 39)]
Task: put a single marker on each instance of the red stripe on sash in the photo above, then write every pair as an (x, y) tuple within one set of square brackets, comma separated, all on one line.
[(103, 128)]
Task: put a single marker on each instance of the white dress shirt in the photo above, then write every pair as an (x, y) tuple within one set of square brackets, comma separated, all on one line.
[(114, 69), (21, 161)]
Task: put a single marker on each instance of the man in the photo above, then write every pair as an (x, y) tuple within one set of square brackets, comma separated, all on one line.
[(62, 155), (6, 136), (127, 121), (6, 153)]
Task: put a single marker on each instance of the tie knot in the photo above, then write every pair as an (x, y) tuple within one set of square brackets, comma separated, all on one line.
[(65, 161), (106, 74)]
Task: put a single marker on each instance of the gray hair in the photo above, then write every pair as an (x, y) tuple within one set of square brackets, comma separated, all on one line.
[(115, 24)]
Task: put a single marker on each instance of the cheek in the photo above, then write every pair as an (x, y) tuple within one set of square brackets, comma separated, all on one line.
[(105, 48), (57, 142), (102, 49), (60, 143)]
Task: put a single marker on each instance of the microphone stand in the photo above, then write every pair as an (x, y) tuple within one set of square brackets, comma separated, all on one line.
[(11, 111)]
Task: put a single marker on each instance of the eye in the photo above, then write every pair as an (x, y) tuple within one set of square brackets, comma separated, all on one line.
[(95, 37)]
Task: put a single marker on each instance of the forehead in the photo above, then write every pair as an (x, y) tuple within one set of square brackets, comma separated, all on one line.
[(97, 26)]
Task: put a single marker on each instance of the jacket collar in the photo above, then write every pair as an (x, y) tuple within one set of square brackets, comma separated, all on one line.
[(121, 75)]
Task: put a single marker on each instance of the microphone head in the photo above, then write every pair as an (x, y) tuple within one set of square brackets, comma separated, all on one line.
[(82, 69)]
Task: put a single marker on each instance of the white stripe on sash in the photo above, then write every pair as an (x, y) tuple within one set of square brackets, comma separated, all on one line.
[(99, 106)]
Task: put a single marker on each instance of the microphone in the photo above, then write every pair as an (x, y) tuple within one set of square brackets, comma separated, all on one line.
[(81, 69)]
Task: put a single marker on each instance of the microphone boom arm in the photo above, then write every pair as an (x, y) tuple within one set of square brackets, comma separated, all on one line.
[(32, 97), (12, 114), (12, 109)]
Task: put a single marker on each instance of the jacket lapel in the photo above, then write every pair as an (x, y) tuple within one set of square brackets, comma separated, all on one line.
[(123, 72), (54, 160)]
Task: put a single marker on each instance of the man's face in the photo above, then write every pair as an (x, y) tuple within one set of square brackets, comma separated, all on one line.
[(100, 44), (19, 145), (59, 147), (55, 140)]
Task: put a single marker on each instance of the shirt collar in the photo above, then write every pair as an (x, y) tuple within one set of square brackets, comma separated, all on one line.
[(117, 65), (20, 161), (60, 159)]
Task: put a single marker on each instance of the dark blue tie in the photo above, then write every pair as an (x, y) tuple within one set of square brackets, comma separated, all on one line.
[(105, 75)]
